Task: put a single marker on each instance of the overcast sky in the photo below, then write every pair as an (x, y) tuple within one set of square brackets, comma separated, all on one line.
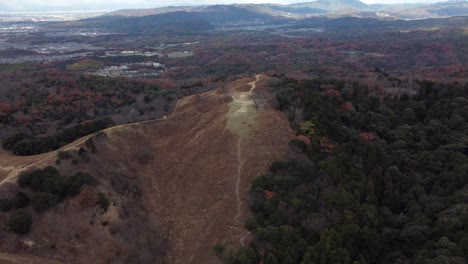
[(30, 5)]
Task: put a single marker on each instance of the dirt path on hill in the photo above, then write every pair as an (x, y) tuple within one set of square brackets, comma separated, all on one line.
[(6, 258), (14, 165), (244, 121), (245, 100)]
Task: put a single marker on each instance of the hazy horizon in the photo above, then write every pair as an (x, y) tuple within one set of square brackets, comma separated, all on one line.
[(88, 5)]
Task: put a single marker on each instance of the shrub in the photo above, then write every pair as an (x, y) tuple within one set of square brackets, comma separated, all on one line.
[(46, 180), (218, 249), (20, 223), (301, 145), (83, 153), (57, 185), (77, 180), (251, 224), (63, 155), (100, 134), (50, 170), (10, 141), (25, 178), (6, 204), (50, 181), (89, 143), (277, 166), (49, 187), (43, 201), (103, 201), (21, 200)]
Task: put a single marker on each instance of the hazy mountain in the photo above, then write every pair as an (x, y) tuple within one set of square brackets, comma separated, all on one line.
[(405, 11), (200, 20), (331, 5), (170, 19), (212, 14), (442, 9), (172, 22), (248, 11), (220, 13)]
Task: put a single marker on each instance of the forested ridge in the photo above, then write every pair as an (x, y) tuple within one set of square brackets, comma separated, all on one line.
[(371, 179), (23, 144)]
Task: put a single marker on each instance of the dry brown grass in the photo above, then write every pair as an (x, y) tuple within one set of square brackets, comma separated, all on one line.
[(177, 186)]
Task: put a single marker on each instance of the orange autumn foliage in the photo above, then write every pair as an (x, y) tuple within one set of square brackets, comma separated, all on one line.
[(326, 144), (368, 136), (304, 139), (269, 194), (5, 108), (347, 106)]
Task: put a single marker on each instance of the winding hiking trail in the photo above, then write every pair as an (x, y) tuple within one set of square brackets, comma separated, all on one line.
[(244, 99), (242, 112)]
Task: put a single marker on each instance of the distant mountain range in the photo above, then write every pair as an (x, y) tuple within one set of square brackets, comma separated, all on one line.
[(346, 22), (327, 8), (331, 8)]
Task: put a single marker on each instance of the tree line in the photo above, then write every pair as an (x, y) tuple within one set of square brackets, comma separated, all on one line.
[(23, 144)]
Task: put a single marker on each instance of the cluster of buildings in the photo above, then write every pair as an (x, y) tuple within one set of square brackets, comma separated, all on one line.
[(132, 53), (44, 58), (147, 69)]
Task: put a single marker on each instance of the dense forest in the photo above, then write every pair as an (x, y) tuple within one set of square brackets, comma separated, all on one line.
[(371, 179), (47, 188), (23, 144), (50, 108), (58, 99)]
